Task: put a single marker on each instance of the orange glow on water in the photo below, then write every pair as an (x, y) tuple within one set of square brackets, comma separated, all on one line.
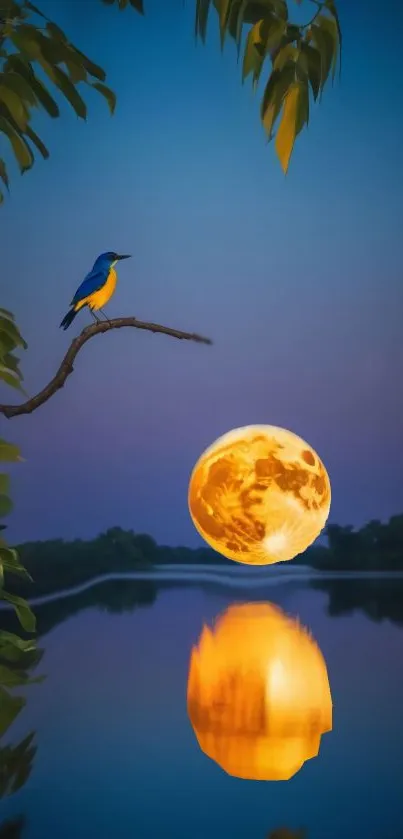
[(258, 693)]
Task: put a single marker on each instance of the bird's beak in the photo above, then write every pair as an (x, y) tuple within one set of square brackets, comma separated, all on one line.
[(125, 256)]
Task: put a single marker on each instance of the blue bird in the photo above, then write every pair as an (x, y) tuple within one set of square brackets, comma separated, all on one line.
[(97, 288)]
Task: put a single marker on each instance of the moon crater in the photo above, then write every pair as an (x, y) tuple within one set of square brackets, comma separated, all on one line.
[(259, 495)]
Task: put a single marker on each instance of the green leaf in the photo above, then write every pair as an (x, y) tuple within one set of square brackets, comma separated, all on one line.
[(77, 73), (54, 51), (6, 506), (37, 142), (16, 763), (324, 43), (62, 81), (236, 20), (224, 9), (202, 11), (287, 53), (138, 5), (11, 678), (25, 615), (22, 152), (56, 32), (11, 641), (17, 83), (303, 105), (107, 93), (38, 88), (275, 35), (6, 314), (11, 362), (253, 58), (10, 378), (9, 453), (17, 570), (314, 67), (10, 707), (14, 105), (329, 25), (333, 10), (262, 9), (7, 344), (293, 33), (279, 7), (8, 328), (11, 563), (27, 40), (4, 483), (92, 69), (273, 97), (3, 173), (35, 9), (288, 130), (44, 97)]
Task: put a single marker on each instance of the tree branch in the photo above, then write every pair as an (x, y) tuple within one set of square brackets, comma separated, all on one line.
[(66, 367)]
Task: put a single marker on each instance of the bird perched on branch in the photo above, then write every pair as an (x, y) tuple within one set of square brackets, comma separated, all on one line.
[(97, 288)]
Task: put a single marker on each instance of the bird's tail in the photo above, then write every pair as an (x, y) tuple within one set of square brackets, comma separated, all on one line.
[(68, 319)]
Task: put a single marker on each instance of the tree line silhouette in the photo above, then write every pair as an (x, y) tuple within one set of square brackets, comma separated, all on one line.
[(57, 564)]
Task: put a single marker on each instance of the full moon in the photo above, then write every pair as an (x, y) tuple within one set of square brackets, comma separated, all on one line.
[(259, 495)]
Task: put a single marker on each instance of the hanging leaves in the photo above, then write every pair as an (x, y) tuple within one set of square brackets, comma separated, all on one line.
[(202, 10), (326, 31), (10, 707), (25, 47), (273, 97), (11, 563), (10, 373), (16, 763), (10, 339), (294, 116), (25, 615), (107, 93), (138, 5), (302, 57)]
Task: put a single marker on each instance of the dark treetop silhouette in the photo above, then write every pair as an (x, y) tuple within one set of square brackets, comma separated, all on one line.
[(55, 565)]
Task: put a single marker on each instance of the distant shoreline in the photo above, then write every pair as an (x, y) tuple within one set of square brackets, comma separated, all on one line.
[(57, 566), (242, 576)]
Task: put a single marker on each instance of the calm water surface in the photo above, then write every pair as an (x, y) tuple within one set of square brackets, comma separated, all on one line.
[(117, 756)]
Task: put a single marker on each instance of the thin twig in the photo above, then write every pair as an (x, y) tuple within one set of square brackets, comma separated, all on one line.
[(66, 367)]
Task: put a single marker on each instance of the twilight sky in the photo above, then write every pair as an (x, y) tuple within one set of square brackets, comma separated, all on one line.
[(298, 280)]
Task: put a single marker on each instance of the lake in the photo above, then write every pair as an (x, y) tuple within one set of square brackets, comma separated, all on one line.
[(117, 756)]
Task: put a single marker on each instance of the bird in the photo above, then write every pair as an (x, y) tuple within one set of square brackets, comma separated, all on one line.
[(97, 287)]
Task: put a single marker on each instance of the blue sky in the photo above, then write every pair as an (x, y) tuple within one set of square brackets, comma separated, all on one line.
[(298, 280)]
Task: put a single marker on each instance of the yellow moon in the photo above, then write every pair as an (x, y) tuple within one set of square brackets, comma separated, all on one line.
[(259, 495)]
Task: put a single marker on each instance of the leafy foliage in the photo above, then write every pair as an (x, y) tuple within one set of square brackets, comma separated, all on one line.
[(301, 56), (17, 658), (10, 373), (16, 765), (10, 340), (30, 51), (16, 654), (122, 4)]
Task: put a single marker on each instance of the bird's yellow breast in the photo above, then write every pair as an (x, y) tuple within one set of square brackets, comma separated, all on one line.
[(100, 298)]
